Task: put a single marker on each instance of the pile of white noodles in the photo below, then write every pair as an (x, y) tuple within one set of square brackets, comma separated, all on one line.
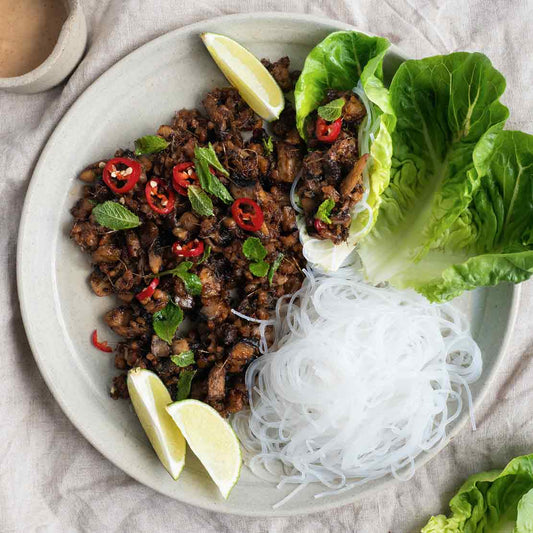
[(359, 382)]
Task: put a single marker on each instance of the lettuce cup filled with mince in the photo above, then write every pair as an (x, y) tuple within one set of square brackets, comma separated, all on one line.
[(343, 113)]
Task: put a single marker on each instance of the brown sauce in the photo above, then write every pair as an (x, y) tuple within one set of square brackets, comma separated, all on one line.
[(28, 33)]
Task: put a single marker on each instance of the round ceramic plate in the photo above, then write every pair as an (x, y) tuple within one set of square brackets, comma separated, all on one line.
[(132, 99)]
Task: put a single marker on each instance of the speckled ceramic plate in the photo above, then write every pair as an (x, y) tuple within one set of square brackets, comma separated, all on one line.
[(133, 98)]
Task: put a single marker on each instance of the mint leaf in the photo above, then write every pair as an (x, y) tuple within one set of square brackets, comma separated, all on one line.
[(200, 202), (253, 249), (150, 144), (166, 321), (259, 269), (208, 156), (332, 110), (268, 145), (192, 282), (324, 210), (183, 359), (205, 255), (210, 183), (204, 158), (184, 384), (273, 267), (115, 216)]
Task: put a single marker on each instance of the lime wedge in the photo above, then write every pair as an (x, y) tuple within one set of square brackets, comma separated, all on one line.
[(246, 73), (212, 440), (149, 397)]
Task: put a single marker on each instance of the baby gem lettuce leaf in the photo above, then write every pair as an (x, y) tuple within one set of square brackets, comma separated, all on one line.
[(492, 240), (491, 502), (339, 62), (448, 118), (345, 60)]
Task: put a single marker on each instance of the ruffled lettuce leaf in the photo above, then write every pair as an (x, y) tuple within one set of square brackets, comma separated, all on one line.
[(491, 502), (494, 234), (448, 119), (341, 61)]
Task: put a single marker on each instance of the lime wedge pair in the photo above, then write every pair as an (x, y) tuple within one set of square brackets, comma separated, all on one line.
[(247, 74), (169, 425)]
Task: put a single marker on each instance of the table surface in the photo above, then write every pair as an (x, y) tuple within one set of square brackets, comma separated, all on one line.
[(51, 479)]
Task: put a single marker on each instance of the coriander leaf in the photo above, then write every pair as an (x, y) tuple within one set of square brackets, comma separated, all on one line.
[(253, 249), (332, 110), (184, 384), (209, 156), (274, 267), (183, 359), (268, 145), (200, 202), (205, 255), (150, 144), (192, 282), (166, 321), (259, 269), (210, 183), (324, 210), (115, 216)]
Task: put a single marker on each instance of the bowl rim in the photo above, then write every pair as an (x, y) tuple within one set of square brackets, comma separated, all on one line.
[(141, 477), (74, 11)]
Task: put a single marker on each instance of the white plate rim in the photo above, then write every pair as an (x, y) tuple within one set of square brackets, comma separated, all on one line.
[(25, 302)]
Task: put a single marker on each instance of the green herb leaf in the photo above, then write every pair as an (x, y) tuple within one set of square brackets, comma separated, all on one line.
[(208, 156), (115, 216), (274, 267), (200, 202), (150, 144), (204, 158), (253, 249), (182, 267), (259, 269), (332, 110), (192, 282), (183, 359), (324, 210), (210, 183), (166, 321), (184, 384), (205, 255), (268, 145)]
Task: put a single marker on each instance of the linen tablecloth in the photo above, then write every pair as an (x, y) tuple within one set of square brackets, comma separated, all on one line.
[(51, 478)]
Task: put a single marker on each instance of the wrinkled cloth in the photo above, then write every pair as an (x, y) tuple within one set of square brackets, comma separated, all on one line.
[(51, 478)]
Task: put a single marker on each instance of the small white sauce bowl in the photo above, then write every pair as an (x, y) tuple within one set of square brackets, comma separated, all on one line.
[(61, 62)]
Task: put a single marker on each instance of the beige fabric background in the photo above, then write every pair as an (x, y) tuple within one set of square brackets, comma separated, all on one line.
[(51, 479)]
